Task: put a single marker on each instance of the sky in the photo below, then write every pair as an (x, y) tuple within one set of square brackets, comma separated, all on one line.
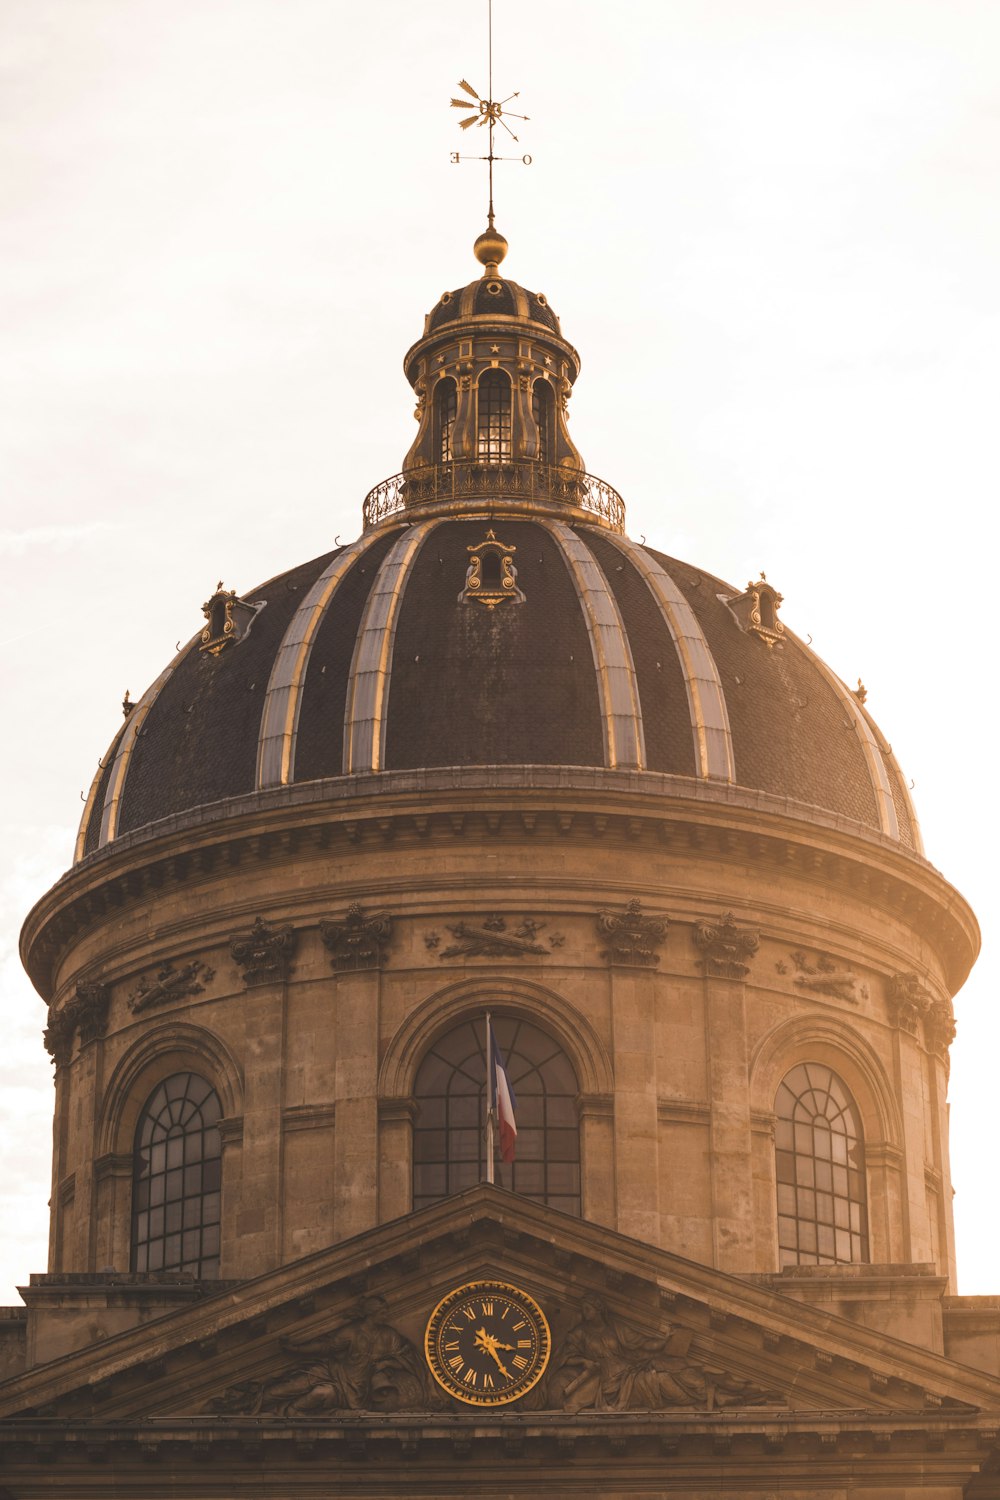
[(771, 229)]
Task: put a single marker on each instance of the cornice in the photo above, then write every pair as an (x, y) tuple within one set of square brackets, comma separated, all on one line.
[(715, 822)]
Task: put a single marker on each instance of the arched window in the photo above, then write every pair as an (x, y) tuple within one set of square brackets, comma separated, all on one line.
[(820, 1170), (494, 418), (445, 409), (177, 1179), (449, 1133), (542, 406)]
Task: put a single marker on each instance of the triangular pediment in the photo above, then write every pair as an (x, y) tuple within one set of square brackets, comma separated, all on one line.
[(633, 1330)]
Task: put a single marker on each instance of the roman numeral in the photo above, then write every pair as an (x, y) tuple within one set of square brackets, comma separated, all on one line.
[(522, 1324), (469, 1314), (520, 1362), (488, 1381), (452, 1345), (524, 1343), (487, 1309), (470, 1376), (456, 1362)]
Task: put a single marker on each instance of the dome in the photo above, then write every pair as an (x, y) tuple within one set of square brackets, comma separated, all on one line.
[(495, 616), (514, 640), (492, 296)]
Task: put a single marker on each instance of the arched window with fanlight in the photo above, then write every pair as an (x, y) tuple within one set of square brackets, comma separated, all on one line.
[(493, 427), (445, 410), (449, 1130), (177, 1179), (820, 1170), (542, 409)]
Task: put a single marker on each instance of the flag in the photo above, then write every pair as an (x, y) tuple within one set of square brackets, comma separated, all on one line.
[(504, 1100)]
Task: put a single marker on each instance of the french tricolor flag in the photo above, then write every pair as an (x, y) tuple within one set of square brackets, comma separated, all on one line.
[(504, 1100)]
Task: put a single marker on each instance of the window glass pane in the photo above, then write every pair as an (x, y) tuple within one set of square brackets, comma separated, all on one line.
[(178, 1176), (494, 418), (450, 1096), (817, 1133)]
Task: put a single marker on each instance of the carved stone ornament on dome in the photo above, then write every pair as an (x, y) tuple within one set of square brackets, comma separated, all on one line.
[(491, 577), (229, 619), (170, 985), (907, 1000), (359, 941), (263, 952), (724, 946), (86, 1013), (493, 940), (822, 977), (363, 1364), (633, 938), (601, 1365), (756, 612)]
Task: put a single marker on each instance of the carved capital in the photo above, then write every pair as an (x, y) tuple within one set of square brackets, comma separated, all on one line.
[(264, 953), (633, 938), (359, 941), (724, 946), (939, 1027), (86, 1012), (907, 1000)]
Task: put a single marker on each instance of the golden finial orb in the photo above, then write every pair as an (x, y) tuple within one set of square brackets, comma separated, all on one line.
[(490, 249)]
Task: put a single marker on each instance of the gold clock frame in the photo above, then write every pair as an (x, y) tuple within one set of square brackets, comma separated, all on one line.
[(456, 1300)]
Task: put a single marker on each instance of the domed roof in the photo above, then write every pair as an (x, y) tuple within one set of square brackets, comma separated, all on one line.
[(491, 297), (485, 640)]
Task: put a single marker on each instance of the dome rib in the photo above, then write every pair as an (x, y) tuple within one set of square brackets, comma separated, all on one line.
[(283, 702), (877, 768), (621, 716), (713, 739), (371, 665), (127, 743)]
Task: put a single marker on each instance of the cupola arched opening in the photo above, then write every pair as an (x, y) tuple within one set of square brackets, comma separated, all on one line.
[(819, 1170), (445, 411), (493, 444), (177, 1179), (543, 414), (449, 1129)]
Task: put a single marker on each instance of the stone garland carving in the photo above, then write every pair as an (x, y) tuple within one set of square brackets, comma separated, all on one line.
[(86, 1012), (908, 1000), (604, 1367), (264, 953), (824, 978), (633, 938), (724, 947), (170, 985), (363, 1365), (359, 941), (492, 940)]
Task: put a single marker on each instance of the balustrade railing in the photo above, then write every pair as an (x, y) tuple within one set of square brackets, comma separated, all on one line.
[(516, 479)]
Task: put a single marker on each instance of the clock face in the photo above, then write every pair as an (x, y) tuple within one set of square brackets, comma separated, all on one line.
[(487, 1343)]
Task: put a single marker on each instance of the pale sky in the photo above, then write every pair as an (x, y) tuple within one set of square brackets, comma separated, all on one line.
[(771, 229)]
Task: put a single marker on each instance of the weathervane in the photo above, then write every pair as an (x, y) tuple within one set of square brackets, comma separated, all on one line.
[(489, 112)]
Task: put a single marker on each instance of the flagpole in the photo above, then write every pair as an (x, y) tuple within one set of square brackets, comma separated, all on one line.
[(489, 1099)]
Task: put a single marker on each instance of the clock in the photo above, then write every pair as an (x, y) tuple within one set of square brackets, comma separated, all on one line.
[(487, 1343)]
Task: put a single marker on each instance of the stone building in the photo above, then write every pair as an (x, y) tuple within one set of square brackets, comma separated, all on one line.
[(495, 756)]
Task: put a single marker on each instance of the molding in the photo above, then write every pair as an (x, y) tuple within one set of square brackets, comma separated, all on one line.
[(307, 1117), (683, 1112)]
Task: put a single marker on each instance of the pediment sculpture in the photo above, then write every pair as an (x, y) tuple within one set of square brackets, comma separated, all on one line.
[(604, 1366)]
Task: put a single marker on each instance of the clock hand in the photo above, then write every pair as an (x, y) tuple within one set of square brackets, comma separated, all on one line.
[(487, 1342)]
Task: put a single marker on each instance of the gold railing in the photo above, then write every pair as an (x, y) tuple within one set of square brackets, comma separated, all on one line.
[(517, 479)]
